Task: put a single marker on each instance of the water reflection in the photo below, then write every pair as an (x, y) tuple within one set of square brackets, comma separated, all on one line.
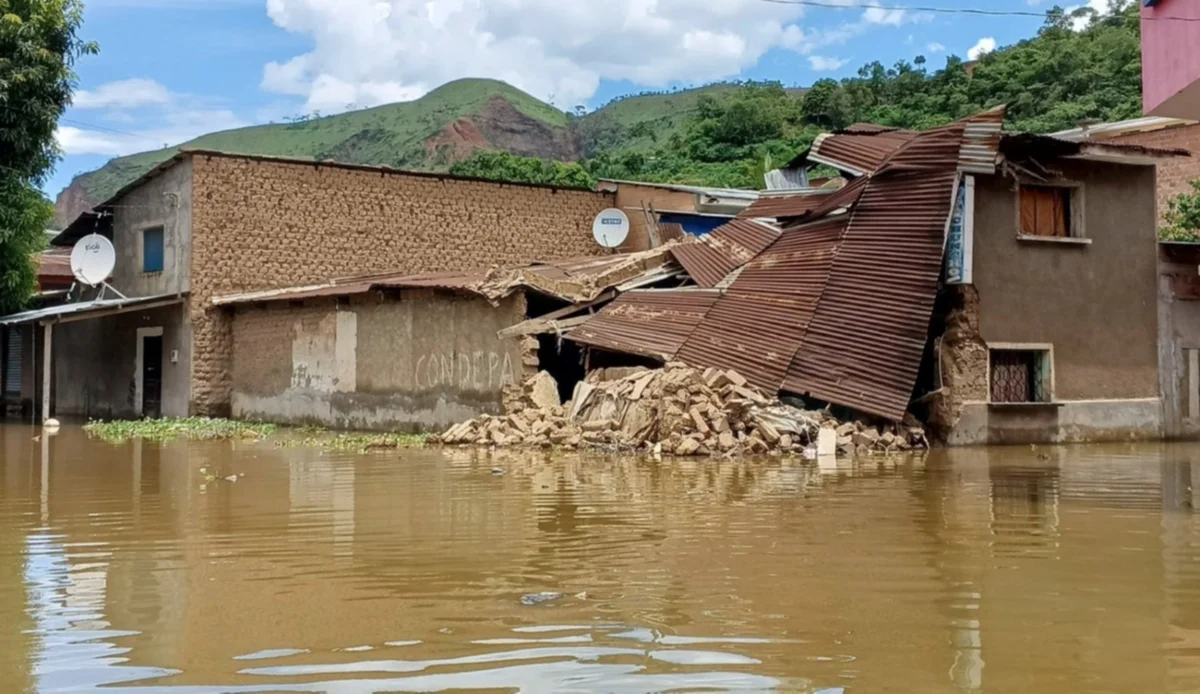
[(967, 571)]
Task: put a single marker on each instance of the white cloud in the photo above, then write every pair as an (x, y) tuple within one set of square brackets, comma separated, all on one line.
[(171, 129), (372, 51), (130, 93), (982, 47), (822, 63), (882, 15), (140, 114), (1098, 6), (935, 47)]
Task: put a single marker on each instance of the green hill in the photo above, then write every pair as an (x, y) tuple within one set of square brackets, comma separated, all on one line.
[(431, 133)]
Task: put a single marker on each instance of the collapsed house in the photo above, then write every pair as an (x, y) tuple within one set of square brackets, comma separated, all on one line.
[(417, 352), (1001, 288)]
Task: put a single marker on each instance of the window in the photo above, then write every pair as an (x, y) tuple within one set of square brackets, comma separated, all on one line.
[(1051, 212), (152, 250), (1021, 376)]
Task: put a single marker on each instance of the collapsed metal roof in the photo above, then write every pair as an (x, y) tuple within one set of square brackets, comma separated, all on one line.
[(837, 307), (711, 259), (573, 279), (648, 322)]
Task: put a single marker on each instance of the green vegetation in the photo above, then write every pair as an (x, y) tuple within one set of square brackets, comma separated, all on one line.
[(38, 49), (352, 442), (1049, 82), (1182, 219), (205, 429), (193, 428), (502, 166), (721, 135)]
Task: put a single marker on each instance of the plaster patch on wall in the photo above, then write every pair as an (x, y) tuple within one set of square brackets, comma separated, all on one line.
[(314, 355), (347, 352)]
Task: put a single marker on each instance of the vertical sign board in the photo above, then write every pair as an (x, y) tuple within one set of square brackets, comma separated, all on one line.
[(960, 246)]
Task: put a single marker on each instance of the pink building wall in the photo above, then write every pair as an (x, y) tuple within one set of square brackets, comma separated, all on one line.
[(1171, 58)]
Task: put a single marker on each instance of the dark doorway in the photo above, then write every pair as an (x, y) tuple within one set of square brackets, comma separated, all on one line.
[(152, 366)]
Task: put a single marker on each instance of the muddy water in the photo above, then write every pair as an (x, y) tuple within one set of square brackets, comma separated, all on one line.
[(998, 570)]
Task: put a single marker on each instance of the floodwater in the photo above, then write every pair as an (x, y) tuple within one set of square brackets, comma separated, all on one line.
[(991, 570)]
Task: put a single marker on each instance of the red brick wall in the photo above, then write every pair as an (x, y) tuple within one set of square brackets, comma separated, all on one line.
[(1173, 174)]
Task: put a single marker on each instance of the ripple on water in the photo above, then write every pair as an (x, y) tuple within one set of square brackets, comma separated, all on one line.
[(1058, 569)]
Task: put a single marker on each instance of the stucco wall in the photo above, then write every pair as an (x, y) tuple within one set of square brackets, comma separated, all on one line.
[(163, 201), (422, 362), (1095, 303), (95, 364), (262, 224)]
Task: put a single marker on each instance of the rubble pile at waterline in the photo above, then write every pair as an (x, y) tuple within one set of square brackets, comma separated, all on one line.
[(676, 410)]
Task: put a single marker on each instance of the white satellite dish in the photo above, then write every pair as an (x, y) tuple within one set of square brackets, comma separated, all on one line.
[(93, 259), (611, 228)]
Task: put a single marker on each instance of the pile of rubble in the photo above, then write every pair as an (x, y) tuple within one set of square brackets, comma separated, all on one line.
[(676, 410)]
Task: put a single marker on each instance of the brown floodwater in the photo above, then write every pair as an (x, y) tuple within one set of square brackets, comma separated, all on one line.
[(998, 570)]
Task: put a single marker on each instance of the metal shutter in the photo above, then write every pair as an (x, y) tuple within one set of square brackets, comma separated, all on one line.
[(12, 363)]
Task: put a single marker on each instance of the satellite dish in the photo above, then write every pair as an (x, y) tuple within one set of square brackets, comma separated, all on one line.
[(611, 228), (92, 259)]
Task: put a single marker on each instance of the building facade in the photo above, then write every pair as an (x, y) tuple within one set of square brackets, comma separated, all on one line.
[(205, 223), (1055, 339), (1170, 68)]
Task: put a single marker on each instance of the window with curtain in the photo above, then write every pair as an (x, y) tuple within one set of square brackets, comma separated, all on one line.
[(1046, 211)]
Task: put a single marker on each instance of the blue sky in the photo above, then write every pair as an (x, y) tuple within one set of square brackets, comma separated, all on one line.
[(169, 70)]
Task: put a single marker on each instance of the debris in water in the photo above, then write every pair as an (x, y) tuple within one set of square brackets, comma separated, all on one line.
[(539, 598), (675, 410)]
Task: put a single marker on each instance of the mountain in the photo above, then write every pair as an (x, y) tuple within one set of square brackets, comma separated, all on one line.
[(445, 126)]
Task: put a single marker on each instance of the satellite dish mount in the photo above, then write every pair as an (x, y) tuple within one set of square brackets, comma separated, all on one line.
[(92, 261)]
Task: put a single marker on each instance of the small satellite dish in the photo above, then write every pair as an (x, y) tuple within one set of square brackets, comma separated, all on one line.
[(92, 259), (611, 228)]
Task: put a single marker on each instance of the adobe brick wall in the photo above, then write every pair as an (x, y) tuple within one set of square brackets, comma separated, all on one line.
[(1173, 174), (263, 224)]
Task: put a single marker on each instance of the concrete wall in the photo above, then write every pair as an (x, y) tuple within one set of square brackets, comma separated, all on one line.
[(163, 201), (95, 364), (630, 199), (1175, 173), (422, 362), (265, 223), (1179, 334), (1095, 303)]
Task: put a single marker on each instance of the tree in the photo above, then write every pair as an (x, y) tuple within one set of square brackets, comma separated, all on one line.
[(39, 45), (504, 166), (1183, 216)]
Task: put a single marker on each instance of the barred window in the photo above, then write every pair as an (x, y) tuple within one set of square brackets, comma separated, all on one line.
[(1020, 375)]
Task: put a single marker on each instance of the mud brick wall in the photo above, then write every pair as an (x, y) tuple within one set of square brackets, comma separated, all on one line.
[(1175, 173), (264, 224)]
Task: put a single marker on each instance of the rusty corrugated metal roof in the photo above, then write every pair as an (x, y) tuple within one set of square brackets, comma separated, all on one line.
[(758, 325), (648, 322), (55, 263), (796, 203), (730, 246), (865, 342), (858, 153)]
